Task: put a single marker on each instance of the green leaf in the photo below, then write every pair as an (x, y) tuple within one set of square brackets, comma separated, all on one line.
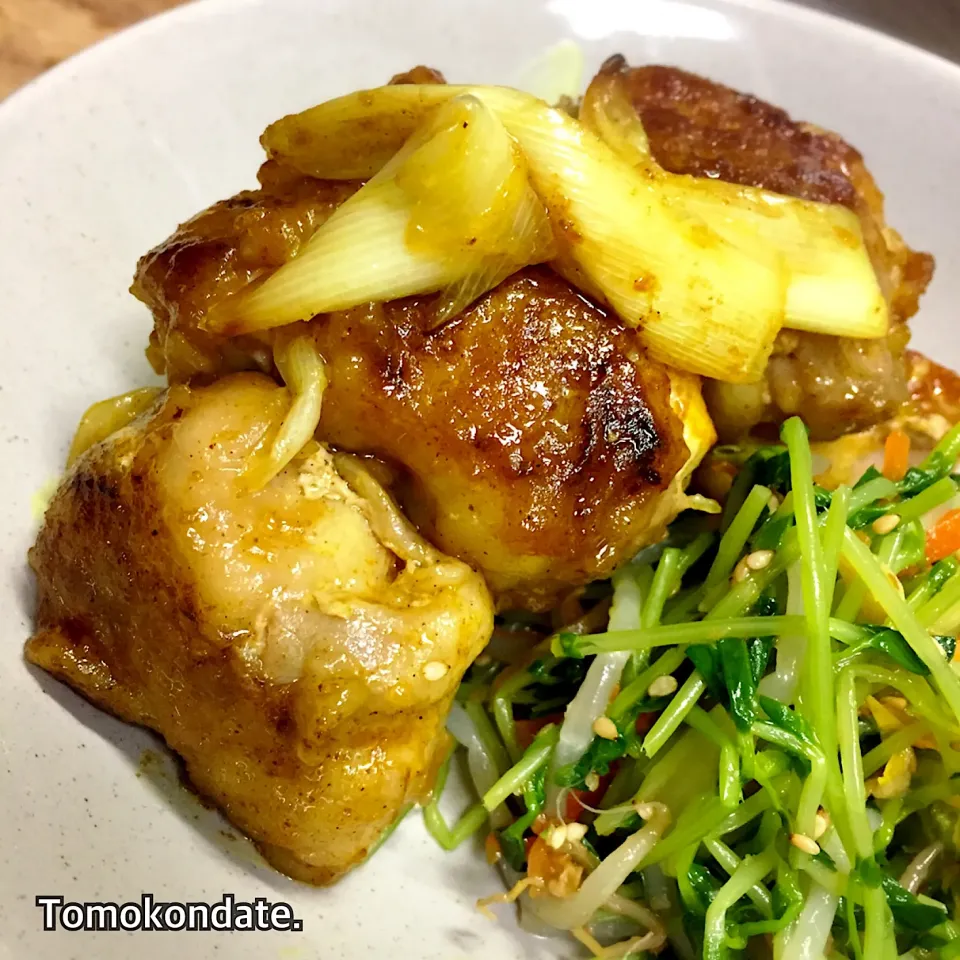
[(511, 841), (706, 659), (868, 871), (599, 756), (789, 720), (738, 678), (866, 515), (772, 468), (771, 532), (871, 473), (894, 645), (941, 572), (909, 910), (760, 650), (704, 887), (566, 645), (917, 479)]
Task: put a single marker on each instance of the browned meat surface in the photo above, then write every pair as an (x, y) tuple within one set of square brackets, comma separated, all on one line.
[(705, 129), (535, 436), (537, 442), (296, 651), (218, 252)]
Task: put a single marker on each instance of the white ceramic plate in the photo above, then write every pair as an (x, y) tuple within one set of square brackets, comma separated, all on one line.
[(99, 160)]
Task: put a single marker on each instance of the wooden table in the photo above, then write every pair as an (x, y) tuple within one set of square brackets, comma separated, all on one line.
[(35, 34)]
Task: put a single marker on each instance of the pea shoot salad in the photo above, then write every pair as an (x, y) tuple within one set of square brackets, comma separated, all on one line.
[(747, 743)]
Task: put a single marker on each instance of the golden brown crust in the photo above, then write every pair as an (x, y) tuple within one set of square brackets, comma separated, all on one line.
[(704, 129), (534, 435), (151, 617), (219, 252)]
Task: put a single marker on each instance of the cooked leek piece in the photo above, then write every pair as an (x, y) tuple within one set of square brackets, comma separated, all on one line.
[(108, 416), (700, 302), (452, 211), (831, 285), (305, 374)]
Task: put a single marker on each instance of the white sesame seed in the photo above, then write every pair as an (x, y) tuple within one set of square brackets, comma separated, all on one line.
[(576, 832), (759, 559), (802, 842), (741, 571), (886, 523), (592, 780), (557, 837), (821, 824), (662, 686), (606, 728), (773, 504), (435, 670)]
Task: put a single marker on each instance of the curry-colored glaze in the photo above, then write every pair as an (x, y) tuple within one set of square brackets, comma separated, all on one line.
[(218, 252), (704, 129), (534, 433), (535, 437), (274, 639)]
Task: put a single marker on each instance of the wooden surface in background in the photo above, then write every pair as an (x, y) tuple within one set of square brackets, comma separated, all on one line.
[(36, 34)]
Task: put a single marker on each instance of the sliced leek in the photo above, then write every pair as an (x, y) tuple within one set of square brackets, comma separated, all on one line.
[(700, 302), (832, 287), (452, 211), (305, 375), (108, 416)]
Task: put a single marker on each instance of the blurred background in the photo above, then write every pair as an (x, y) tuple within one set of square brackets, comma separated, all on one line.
[(36, 34)]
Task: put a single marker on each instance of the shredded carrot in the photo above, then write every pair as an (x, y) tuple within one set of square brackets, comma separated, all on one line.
[(552, 870), (896, 455), (944, 538), (491, 847)]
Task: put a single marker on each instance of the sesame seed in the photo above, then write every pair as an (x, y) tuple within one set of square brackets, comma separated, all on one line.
[(576, 832), (741, 571), (592, 780), (435, 670), (803, 843), (773, 504), (821, 824), (644, 810), (662, 686), (557, 837), (886, 523), (604, 727), (759, 559)]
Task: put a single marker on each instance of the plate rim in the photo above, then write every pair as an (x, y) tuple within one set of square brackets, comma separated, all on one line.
[(20, 99)]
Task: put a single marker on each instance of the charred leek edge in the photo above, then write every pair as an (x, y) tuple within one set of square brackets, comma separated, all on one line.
[(701, 303), (807, 760), (452, 211)]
